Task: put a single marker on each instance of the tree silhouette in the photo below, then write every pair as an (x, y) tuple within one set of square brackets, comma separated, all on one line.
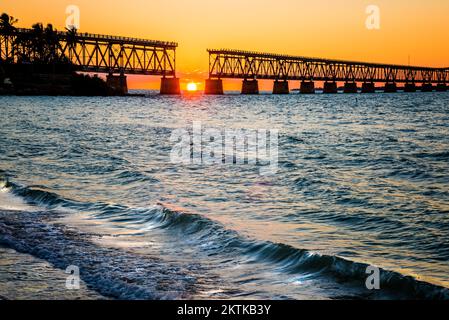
[(71, 41), (7, 23), (39, 45), (7, 27)]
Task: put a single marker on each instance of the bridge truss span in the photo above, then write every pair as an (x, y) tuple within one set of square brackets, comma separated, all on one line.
[(96, 53), (254, 65), (86, 52)]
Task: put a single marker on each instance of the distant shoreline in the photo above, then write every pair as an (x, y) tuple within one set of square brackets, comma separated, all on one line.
[(52, 80)]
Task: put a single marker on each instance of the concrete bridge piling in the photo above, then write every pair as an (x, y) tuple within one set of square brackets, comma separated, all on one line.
[(330, 87), (426, 87), (250, 87), (170, 86), (118, 83), (410, 87), (281, 87), (307, 87), (350, 87), (368, 87), (214, 87), (390, 87)]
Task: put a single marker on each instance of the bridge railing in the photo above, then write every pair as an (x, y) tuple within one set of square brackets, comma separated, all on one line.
[(86, 35)]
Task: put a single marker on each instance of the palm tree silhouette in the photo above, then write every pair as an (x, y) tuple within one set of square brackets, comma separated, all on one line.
[(39, 45), (7, 23), (51, 45), (71, 41), (37, 42)]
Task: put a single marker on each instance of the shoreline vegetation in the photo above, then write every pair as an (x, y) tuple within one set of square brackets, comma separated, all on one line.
[(46, 71)]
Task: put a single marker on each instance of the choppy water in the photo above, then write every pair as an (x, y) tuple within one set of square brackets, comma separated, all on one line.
[(360, 181)]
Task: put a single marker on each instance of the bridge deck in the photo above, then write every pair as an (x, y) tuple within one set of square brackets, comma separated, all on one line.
[(110, 38)]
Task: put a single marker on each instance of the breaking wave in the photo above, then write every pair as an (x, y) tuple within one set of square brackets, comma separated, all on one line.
[(138, 277)]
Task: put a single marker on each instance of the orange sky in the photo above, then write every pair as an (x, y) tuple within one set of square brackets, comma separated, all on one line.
[(322, 28)]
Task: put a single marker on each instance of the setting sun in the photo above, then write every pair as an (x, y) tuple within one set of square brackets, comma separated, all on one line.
[(192, 87)]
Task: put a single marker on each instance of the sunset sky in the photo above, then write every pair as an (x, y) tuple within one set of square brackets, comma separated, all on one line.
[(321, 28)]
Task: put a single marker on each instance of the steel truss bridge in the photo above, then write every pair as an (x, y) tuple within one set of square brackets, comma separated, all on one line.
[(98, 53), (237, 64)]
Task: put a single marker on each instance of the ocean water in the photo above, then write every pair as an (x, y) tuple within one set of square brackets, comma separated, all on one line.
[(361, 180)]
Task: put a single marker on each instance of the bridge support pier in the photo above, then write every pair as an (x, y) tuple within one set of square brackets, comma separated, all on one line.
[(368, 87), (391, 87), (441, 87), (307, 87), (170, 86), (410, 87), (117, 83), (350, 87), (250, 87), (426, 87), (281, 87), (214, 86), (330, 87)]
